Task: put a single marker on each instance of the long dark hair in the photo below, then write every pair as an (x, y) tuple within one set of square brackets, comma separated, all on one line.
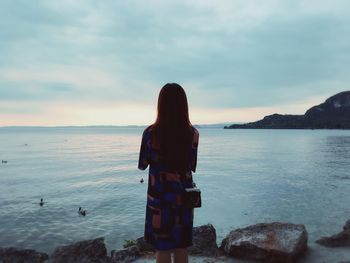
[(173, 130)]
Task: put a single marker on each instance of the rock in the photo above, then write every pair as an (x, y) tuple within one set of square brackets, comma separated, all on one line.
[(341, 239), (126, 255), (270, 242), (346, 227), (204, 244), (143, 246), (14, 255), (132, 253), (204, 241), (89, 251)]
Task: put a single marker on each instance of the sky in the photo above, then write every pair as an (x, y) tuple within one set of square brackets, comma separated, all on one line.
[(92, 62)]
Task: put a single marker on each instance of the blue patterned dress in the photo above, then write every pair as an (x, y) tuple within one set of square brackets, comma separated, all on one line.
[(168, 223)]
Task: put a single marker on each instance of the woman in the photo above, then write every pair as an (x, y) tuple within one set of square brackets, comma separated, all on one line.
[(169, 147)]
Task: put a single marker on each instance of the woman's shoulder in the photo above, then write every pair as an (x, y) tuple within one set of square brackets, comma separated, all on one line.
[(195, 131), (148, 130)]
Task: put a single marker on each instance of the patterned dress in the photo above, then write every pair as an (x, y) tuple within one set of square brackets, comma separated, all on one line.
[(168, 223)]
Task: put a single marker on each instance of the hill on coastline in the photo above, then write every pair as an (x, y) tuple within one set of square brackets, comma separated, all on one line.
[(334, 113)]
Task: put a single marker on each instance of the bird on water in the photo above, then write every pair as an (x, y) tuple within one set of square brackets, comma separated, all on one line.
[(81, 212)]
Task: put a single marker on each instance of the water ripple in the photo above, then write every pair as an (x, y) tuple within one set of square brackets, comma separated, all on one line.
[(246, 177)]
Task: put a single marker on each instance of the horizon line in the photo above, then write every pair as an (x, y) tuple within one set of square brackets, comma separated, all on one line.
[(109, 126)]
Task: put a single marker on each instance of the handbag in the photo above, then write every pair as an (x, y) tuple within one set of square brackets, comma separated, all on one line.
[(192, 197)]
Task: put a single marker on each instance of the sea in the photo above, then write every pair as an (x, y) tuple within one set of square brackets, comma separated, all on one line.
[(246, 177)]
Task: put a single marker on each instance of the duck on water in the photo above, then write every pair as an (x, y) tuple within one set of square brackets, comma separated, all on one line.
[(81, 212)]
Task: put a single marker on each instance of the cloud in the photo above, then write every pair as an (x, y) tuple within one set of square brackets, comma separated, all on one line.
[(227, 54)]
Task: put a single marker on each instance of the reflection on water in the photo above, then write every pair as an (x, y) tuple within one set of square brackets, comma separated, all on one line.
[(246, 177)]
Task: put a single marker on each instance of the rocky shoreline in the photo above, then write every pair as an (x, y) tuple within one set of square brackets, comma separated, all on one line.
[(274, 242)]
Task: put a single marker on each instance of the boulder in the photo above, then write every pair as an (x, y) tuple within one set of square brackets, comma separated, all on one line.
[(14, 255), (346, 227), (341, 239), (204, 241), (132, 253), (143, 246), (88, 251), (269, 242), (126, 255)]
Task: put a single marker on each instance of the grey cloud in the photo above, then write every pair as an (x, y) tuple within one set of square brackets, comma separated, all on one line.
[(283, 58), (37, 91)]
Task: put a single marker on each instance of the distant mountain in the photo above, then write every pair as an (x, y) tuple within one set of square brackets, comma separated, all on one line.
[(334, 113)]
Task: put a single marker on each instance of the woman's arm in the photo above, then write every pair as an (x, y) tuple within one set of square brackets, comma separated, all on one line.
[(144, 151), (194, 149)]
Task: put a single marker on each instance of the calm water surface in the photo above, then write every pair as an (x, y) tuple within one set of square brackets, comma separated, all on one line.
[(246, 177)]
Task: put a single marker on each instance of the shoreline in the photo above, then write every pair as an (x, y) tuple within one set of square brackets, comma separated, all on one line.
[(275, 242)]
